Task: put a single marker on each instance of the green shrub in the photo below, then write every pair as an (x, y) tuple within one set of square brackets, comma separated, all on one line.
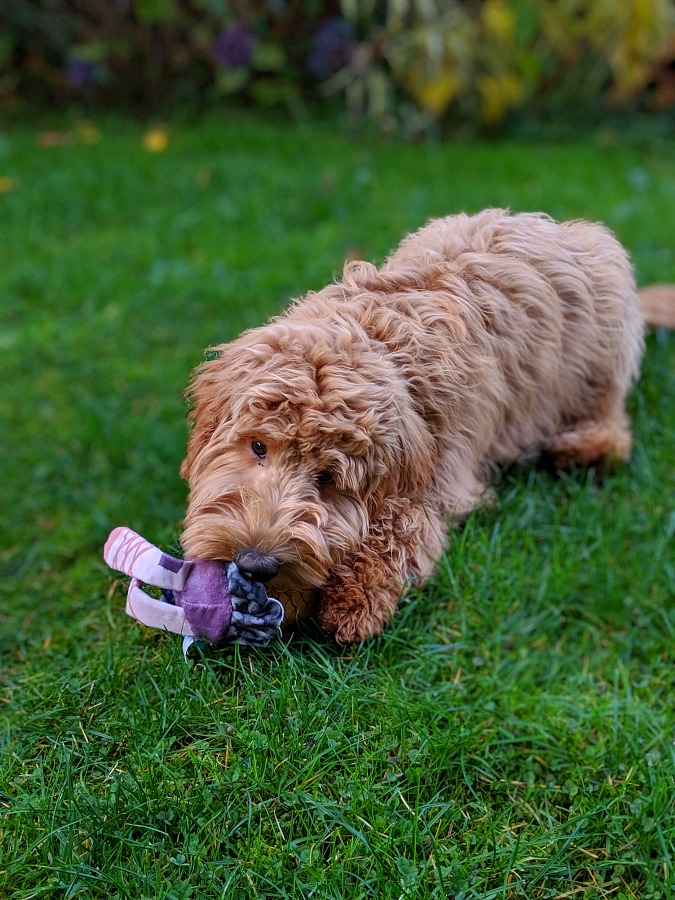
[(399, 62), (481, 60)]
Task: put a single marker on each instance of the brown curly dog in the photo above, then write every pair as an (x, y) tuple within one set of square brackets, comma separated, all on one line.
[(332, 446)]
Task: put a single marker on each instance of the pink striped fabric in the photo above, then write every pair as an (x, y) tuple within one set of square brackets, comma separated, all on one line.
[(130, 553)]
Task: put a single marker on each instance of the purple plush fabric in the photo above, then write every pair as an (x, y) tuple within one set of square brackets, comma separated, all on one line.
[(206, 600)]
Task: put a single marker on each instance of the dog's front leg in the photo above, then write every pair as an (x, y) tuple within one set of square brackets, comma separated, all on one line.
[(363, 591)]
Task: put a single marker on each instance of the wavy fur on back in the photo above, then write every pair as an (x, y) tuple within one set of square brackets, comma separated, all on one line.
[(482, 339)]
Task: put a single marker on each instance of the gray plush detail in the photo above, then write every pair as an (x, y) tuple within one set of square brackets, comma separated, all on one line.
[(256, 618)]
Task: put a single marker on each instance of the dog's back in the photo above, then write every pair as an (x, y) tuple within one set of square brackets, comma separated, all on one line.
[(572, 278), (552, 333)]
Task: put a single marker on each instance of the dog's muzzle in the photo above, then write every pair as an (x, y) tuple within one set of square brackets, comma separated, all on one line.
[(257, 566)]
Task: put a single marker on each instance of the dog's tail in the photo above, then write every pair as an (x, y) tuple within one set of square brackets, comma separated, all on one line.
[(657, 304)]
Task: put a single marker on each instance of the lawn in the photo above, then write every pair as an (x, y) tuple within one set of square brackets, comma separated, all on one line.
[(510, 735)]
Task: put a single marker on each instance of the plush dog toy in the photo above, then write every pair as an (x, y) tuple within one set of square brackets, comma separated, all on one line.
[(202, 599)]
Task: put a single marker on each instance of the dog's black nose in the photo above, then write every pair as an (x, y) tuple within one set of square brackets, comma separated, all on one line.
[(257, 566)]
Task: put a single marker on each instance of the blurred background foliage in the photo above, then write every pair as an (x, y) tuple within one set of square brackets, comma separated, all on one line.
[(405, 64)]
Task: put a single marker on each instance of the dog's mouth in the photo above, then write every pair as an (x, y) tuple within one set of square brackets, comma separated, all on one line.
[(288, 585), (296, 577), (298, 561), (297, 604), (285, 569), (296, 592)]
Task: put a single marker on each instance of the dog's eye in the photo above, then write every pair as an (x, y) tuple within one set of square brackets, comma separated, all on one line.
[(259, 449), (324, 477)]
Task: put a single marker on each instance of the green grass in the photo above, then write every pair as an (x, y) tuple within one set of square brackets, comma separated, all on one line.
[(510, 735)]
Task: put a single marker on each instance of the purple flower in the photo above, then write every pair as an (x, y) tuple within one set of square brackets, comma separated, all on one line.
[(234, 46), (80, 73), (330, 48)]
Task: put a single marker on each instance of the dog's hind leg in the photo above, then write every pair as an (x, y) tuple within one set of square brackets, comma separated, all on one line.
[(602, 442), (590, 444), (363, 592)]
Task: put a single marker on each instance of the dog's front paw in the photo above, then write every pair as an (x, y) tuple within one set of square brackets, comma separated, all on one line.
[(347, 624), (349, 612)]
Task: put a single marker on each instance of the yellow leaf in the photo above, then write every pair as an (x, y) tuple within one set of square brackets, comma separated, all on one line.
[(645, 14), (87, 132), (7, 185), (498, 21), (436, 94), (498, 94), (156, 140)]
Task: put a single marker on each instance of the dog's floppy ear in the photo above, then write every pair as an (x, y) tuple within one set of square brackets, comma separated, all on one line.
[(409, 465), (209, 400), (408, 447)]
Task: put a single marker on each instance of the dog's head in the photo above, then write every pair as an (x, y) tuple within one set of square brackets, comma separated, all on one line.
[(300, 429)]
